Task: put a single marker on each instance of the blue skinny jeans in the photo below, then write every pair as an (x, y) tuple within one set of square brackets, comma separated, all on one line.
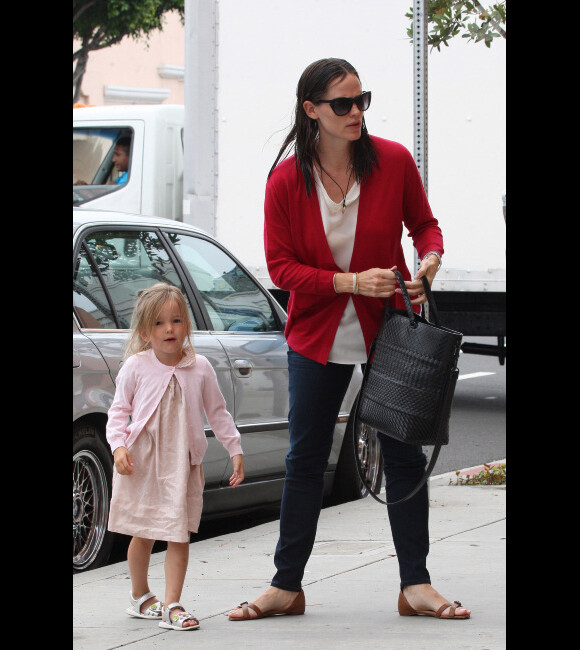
[(316, 392)]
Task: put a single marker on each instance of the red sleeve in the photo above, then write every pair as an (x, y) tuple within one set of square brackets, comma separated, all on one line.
[(280, 242), (418, 219)]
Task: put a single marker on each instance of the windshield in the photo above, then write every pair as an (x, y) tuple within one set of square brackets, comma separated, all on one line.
[(101, 161)]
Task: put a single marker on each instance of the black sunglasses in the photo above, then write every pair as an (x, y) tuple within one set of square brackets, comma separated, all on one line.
[(343, 105)]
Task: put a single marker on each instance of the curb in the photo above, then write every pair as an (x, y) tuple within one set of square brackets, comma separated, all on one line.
[(469, 470)]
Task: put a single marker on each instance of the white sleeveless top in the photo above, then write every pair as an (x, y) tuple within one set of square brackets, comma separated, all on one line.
[(349, 346)]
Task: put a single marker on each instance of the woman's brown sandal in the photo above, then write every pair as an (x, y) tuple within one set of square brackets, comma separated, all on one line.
[(296, 607), (406, 610)]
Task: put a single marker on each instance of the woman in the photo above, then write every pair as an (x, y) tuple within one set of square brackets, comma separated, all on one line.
[(334, 216)]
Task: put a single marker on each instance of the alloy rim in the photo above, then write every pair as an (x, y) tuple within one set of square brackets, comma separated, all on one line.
[(90, 508), (369, 453)]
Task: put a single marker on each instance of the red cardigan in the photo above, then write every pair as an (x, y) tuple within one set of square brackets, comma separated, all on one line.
[(300, 261)]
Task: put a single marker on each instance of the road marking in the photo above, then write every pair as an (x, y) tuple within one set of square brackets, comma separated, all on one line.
[(472, 375)]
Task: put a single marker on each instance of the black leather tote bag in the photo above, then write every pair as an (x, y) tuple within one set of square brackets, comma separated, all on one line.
[(409, 379)]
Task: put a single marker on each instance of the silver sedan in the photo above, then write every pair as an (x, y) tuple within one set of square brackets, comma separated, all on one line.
[(239, 327)]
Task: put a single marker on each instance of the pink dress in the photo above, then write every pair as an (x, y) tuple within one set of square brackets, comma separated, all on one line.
[(163, 498)]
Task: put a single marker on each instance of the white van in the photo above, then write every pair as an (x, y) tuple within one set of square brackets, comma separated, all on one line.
[(152, 137)]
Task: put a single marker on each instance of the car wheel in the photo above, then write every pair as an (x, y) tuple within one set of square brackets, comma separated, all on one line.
[(347, 483), (92, 472)]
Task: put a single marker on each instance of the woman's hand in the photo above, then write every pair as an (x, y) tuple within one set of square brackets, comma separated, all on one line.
[(428, 268), (378, 283), (123, 463), (238, 476)]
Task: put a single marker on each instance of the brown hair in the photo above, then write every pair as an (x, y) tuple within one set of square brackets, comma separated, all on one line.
[(150, 302), (304, 133)]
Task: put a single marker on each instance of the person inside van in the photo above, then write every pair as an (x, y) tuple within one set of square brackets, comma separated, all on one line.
[(121, 159)]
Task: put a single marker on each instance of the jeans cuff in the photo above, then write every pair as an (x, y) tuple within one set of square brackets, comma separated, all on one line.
[(285, 587)]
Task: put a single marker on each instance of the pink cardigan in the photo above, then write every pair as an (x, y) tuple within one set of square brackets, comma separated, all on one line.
[(300, 261), (141, 383)]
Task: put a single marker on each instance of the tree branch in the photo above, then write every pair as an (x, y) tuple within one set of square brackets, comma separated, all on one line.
[(82, 9), (492, 20)]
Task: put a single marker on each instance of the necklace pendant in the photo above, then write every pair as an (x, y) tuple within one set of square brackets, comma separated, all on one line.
[(343, 205)]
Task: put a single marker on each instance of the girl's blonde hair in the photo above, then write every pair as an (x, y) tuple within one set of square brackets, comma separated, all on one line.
[(149, 304)]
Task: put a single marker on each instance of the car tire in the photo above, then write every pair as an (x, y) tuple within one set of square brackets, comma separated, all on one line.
[(92, 475), (347, 484)]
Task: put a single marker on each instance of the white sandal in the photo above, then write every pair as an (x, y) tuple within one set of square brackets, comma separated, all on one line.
[(152, 612), (177, 619)]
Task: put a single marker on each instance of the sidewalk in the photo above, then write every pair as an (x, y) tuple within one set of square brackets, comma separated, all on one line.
[(351, 584)]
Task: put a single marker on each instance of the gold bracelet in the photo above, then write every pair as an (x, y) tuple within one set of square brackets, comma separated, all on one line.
[(334, 283), (356, 290)]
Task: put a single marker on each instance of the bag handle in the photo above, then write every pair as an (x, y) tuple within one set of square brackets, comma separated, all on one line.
[(433, 315)]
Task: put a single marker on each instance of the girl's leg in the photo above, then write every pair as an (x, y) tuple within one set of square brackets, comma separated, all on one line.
[(138, 556), (176, 560)]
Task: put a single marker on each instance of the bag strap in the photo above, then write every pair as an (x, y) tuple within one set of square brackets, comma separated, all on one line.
[(405, 294), (438, 443), (433, 313)]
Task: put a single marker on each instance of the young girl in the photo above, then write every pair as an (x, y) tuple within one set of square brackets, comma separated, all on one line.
[(156, 433)]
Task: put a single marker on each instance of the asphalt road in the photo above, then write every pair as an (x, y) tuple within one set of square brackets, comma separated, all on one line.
[(476, 435), (477, 428)]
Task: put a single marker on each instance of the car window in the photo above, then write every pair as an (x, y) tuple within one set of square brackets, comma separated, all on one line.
[(127, 262), (101, 161), (233, 300), (89, 298)]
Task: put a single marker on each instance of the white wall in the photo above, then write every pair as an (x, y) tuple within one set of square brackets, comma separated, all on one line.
[(264, 45)]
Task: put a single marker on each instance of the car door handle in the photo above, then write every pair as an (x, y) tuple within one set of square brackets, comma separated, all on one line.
[(243, 367)]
